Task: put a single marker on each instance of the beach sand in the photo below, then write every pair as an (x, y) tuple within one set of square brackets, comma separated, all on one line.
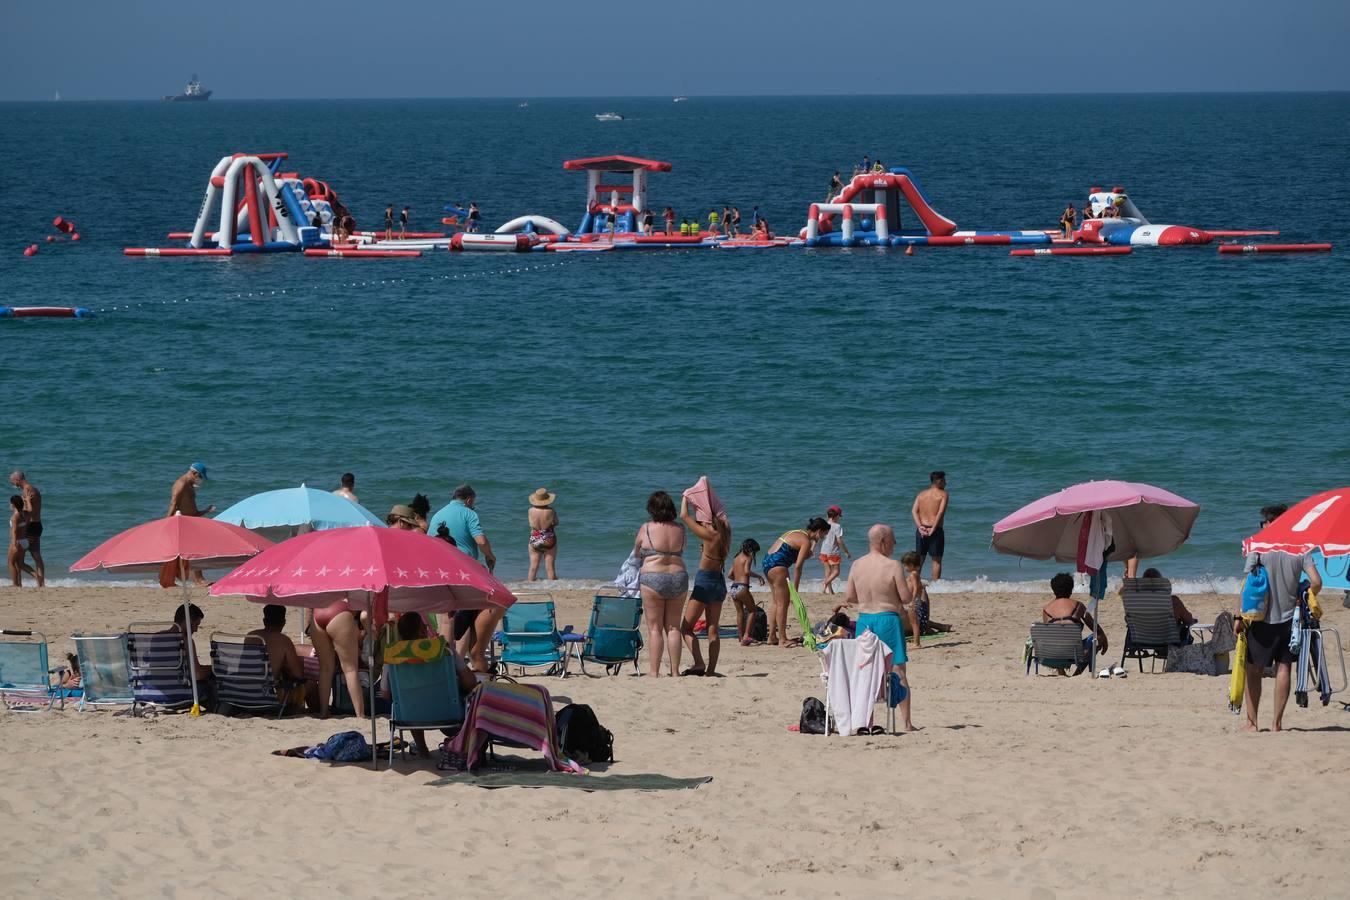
[(1016, 786)]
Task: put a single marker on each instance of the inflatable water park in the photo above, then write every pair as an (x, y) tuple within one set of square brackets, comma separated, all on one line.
[(252, 203)]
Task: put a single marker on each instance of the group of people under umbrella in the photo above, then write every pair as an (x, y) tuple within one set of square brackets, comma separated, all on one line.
[(337, 552)]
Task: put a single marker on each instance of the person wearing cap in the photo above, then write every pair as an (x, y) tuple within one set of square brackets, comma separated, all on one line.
[(543, 539), (402, 517), (830, 548), (183, 502)]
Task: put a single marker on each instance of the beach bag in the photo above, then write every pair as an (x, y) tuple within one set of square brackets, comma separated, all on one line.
[(1256, 593), (345, 746), (813, 716), (759, 624), (581, 735)]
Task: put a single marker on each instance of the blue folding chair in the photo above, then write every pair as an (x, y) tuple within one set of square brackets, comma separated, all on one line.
[(530, 638), (26, 681), (159, 667), (425, 695), (614, 635), (244, 678), (105, 670)]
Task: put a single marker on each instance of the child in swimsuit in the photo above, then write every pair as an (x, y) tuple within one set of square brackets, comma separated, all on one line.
[(742, 570)]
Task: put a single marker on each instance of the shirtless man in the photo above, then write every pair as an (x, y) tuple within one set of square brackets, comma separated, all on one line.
[(348, 484), (281, 655), (878, 588), (183, 502), (32, 506), (930, 508)]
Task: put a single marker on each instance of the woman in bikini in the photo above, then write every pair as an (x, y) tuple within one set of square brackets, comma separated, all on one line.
[(543, 538), (18, 541), (742, 570), (336, 634), (793, 548), (663, 581), (710, 588)]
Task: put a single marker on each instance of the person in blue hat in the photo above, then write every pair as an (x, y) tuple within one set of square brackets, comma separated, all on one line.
[(183, 502)]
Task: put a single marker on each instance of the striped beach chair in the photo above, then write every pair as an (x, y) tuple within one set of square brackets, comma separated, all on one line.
[(244, 678), (613, 636), (1058, 645), (530, 638), (1150, 625), (159, 667), (27, 682), (105, 670)]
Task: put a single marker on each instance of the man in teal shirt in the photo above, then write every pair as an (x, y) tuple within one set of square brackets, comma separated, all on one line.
[(460, 519)]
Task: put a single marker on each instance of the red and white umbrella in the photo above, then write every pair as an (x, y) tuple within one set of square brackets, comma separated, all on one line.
[(189, 542), (1322, 522)]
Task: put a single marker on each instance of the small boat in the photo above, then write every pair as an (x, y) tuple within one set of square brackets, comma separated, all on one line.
[(681, 100), (193, 91), (522, 105), (57, 98), (608, 117)]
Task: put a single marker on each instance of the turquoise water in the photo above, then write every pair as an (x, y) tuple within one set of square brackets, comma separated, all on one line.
[(794, 378)]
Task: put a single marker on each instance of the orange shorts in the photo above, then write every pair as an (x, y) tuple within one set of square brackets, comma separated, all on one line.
[(830, 559)]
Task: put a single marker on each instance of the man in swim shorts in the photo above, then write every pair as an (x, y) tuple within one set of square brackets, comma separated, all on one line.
[(930, 508), (878, 588), (183, 502), (32, 506)]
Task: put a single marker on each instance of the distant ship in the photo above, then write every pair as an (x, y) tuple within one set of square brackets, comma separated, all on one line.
[(57, 98), (193, 91), (608, 117), (681, 99), (523, 105)]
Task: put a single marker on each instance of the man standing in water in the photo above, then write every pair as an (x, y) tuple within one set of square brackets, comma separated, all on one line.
[(32, 505), (348, 488), (183, 502), (878, 588), (930, 508)]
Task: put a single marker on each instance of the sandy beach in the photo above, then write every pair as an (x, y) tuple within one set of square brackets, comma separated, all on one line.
[(1024, 787)]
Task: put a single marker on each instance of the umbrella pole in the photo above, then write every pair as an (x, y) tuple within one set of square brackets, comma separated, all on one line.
[(370, 671), (191, 644)]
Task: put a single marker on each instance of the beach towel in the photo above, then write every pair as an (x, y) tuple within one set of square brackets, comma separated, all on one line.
[(856, 670), (518, 713), (705, 501), (1093, 540), (421, 650), (627, 579), (635, 782), (808, 638)]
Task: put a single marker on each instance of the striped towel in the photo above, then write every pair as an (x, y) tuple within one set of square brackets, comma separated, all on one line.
[(519, 713)]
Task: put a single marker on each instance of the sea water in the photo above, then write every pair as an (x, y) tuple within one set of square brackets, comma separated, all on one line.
[(795, 379)]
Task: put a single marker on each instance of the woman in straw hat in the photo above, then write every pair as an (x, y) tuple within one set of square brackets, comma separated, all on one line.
[(543, 539)]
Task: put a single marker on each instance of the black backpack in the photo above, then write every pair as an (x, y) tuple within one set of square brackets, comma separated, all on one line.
[(813, 716), (759, 624), (581, 735)]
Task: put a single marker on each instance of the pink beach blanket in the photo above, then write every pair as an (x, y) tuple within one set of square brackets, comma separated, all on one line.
[(520, 713), (705, 501)]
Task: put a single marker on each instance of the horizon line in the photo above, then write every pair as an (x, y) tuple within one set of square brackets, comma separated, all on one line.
[(789, 96)]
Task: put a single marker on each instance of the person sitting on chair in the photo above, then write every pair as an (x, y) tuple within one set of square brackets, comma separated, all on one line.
[(1179, 612), (411, 627), (1063, 608), (281, 656)]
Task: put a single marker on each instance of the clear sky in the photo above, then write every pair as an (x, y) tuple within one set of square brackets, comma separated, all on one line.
[(140, 49)]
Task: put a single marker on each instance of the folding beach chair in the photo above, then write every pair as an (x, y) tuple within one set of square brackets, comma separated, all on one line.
[(843, 653), (1150, 626), (105, 669), (26, 681), (1058, 645), (530, 638), (424, 688), (159, 667), (244, 678), (613, 636)]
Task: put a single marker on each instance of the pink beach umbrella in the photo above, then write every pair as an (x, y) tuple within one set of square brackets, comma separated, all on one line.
[(385, 570), (1147, 521), (191, 542)]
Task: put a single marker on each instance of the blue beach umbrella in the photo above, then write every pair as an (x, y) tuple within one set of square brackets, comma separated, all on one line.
[(289, 511)]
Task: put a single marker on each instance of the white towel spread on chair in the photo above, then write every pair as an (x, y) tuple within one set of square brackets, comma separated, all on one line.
[(627, 579), (856, 670)]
